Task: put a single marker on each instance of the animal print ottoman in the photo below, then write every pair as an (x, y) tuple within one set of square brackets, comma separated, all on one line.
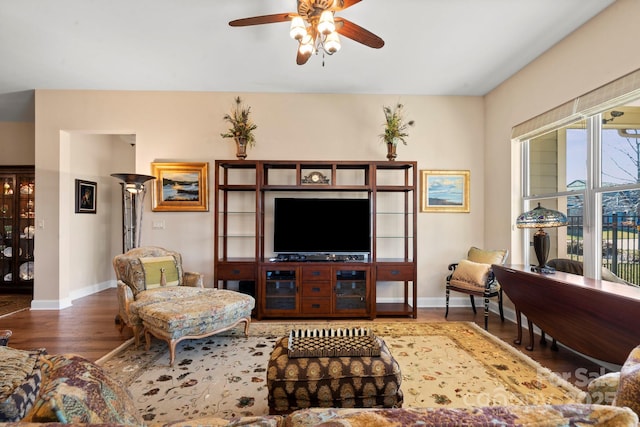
[(338, 382)]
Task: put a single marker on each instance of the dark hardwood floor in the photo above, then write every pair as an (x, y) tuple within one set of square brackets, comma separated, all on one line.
[(88, 328)]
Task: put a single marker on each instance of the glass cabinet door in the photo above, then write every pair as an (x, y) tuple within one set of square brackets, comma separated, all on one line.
[(351, 290), (7, 212), (26, 228), (281, 292), (17, 229)]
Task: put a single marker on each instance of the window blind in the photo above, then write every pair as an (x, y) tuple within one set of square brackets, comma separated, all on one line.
[(613, 94)]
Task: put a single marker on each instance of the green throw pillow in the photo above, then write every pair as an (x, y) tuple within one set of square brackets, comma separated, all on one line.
[(154, 267)]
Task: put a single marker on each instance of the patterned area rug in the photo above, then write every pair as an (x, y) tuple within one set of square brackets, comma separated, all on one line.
[(444, 364), (10, 304)]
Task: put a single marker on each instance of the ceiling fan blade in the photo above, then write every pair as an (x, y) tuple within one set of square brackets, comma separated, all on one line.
[(258, 20), (355, 32), (302, 58), (348, 3)]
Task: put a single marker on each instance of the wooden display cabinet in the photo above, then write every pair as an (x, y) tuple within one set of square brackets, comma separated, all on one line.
[(17, 229), (245, 190)]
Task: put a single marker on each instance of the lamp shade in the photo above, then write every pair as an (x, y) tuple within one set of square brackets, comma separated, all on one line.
[(332, 43), (133, 183), (132, 178), (540, 217), (298, 29), (306, 45), (326, 24)]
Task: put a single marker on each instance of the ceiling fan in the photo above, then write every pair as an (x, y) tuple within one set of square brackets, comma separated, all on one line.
[(316, 28)]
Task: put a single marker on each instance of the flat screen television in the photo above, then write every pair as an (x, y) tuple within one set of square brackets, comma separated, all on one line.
[(322, 225)]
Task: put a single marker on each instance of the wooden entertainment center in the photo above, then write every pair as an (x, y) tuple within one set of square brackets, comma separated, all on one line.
[(322, 285)]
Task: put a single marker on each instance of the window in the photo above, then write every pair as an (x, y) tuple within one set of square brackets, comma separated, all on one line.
[(590, 170)]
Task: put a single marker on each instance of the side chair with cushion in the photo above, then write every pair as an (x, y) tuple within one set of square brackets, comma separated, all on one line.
[(473, 276), (149, 268)]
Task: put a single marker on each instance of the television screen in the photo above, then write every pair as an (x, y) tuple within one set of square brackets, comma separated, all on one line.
[(322, 226)]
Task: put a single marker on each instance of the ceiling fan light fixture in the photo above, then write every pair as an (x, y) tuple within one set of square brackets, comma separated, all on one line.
[(298, 29), (315, 27), (306, 45), (332, 43), (326, 25)]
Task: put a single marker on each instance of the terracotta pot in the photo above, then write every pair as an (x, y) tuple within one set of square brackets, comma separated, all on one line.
[(391, 151), (241, 148)]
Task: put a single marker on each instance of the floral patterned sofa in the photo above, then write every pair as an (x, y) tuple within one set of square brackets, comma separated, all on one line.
[(41, 389), (37, 387)]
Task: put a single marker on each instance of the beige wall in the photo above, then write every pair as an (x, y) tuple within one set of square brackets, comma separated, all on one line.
[(95, 238), (186, 127), (17, 143), (597, 53)]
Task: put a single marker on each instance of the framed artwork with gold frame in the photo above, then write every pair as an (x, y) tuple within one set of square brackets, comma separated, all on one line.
[(444, 191), (180, 187)]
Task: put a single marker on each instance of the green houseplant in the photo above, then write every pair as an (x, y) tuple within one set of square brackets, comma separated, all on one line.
[(395, 129), (241, 129)]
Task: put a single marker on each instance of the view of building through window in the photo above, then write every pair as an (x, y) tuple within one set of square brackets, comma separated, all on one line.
[(558, 174)]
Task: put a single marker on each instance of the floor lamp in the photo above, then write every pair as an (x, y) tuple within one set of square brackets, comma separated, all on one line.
[(133, 191), (540, 218)]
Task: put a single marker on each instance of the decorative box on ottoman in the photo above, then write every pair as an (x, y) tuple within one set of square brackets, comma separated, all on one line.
[(356, 381)]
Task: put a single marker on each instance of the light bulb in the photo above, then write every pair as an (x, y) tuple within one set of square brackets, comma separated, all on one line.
[(332, 43), (326, 24), (298, 29)]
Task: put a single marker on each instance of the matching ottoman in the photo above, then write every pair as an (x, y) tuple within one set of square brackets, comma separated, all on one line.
[(197, 316), (338, 382)]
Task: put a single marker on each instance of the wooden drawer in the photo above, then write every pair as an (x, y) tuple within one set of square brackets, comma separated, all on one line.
[(314, 273), (392, 273), (316, 289), (316, 306), (236, 271)]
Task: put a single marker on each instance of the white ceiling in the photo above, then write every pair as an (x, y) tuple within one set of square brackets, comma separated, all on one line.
[(432, 47)]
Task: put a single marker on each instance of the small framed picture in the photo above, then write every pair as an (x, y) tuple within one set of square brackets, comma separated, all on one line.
[(86, 196), (180, 186), (444, 191)]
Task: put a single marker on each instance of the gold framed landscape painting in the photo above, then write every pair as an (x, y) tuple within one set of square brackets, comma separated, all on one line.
[(444, 191), (180, 187)]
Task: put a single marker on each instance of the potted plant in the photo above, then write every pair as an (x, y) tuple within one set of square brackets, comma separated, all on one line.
[(241, 129), (395, 129)]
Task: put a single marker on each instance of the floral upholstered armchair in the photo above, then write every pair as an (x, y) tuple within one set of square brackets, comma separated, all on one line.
[(150, 274)]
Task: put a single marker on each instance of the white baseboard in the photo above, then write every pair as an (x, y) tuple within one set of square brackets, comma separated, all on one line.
[(92, 289), (74, 295), (440, 302), (52, 304)]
